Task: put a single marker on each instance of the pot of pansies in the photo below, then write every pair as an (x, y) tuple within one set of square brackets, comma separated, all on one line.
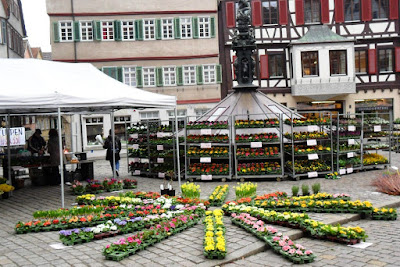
[(217, 138), (308, 121), (214, 152), (112, 184), (94, 187), (306, 135), (257, 152), (207, 125), (209, 169), (261, 137), (129, 183), (77, 188), (257, 123)]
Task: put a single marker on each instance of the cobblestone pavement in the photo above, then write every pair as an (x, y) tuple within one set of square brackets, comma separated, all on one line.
[(185, 249)]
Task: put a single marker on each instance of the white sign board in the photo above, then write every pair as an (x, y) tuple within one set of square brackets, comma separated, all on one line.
[(160, 135), (205, 145), (160, 147), (135, 146), (206, 177), (144, 160), (312, 128), (312, 174), (137, 172), (205, 131), (351, 141), (350, 155), (311, 142), (135, 160), (342, 171), (160, 160), (349, 170), (377, 128), (134, 136), (255, 144), (351, 128), (312, 156), (161, 175), (205, 159), (17, 136)]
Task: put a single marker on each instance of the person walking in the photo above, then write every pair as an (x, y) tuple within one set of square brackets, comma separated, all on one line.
[(108, 144)]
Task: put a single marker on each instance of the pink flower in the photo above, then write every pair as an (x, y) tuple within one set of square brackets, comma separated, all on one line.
[(292, 251), (286, 248), (166, 228), (261, 229), (108, 246), (290, 243), (299, 246), (299, 252), (172, 225), (308, 252), (158, 226), (233, 215), (130, 239), (286, 238), (139, 242), (276, 238), (282, 243)]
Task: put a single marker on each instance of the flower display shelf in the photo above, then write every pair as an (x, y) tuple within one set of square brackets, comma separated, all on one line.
[(258, 146), (309, 141), (208, 145)]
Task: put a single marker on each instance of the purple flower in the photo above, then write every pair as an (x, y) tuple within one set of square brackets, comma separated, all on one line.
[(87, 230), (76, 231), (65, 232), (121, 223)]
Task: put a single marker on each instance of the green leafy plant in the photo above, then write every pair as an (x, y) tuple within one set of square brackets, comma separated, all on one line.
[(305, 189), (295, 190), (316, 188)]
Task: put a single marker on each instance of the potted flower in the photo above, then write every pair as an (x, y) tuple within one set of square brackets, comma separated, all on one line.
[(7, 189), (77, 188)]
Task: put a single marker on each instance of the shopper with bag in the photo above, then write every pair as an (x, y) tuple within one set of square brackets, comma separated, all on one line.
[(108, 144)]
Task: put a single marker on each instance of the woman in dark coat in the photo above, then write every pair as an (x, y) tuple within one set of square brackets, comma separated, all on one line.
[(108, 144)]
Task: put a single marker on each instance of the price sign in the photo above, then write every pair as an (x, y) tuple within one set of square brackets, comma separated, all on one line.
[(377, 128), (205, 145), (350, 155), (312, 174), (206, 177), (160, 134), (205, 131), (351, 141), (160, 160), (312, 128), (144, 160), (312, 156), (342, 171), (135, 160), (349, 170), (205, 159), (311, 142), (351, 128), (160, 147), (134, 136), (137, 172), (135, 146), (255, 144), (161, 175)]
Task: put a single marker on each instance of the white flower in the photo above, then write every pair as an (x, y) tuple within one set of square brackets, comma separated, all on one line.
[(96, 230), (113, 228)]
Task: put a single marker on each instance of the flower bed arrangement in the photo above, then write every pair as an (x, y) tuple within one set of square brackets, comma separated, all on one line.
[(267, 123), (213, 152), (304, 150), (386, 214), (216, 138), (78, 188), (263, 168), (307, 121), (218, 196), (207, 169), (214, 235), (261, 137), (276, 195), (90, 199), (190, 190), (374, 159), (306, 135), (112, 184), (130, 183), (94, 187), (348, 135), (242, 152), (129, 246), (323, 196), (282, 245), (75, 211), (304, 166), (247, 189), (207, 125)]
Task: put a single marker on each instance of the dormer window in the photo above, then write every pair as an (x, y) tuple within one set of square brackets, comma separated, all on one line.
[(309, 63), (338, 62)]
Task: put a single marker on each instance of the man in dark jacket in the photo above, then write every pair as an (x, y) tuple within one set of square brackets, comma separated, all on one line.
[(36, 143), (108, 144)]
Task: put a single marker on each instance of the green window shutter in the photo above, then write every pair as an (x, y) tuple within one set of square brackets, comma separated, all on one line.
[(117, 30), (120, 74), (56, 33), (111, 71), (139, 29), (158, 29), (218, 70), (212, 27), (77, 31), (97, 30), (139, 77), (195, 27), (179, 75), (199, 74), (177, 28), (159, 76)]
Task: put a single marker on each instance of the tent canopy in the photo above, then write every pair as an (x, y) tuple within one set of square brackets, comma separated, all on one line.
[(31, 85)]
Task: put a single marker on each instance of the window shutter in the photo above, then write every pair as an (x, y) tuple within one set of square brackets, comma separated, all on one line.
[(56, 33), (256, 13), (397, 59), (158, 29), (179, 74), (97, 30), (212, 26), (77, 34), (233, 67), (339, 11), (299, 5), (264, 73), (366, 10), (324, 11), (120, 74), (159, 76), (199, 74), (393, 9), (139, 29), (218, 70), (283, 15), (195, 26), (372, 61), (230, 14), (177, 29), (117, 30), (139, 77)]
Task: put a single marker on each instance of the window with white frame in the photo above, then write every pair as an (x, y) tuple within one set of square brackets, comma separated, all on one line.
[(169, 76), (149, 77), (180, 113), (107, 29), (66, 31), (200, 112), (130, 76), (167, 28), (149, 29), (128, 30), (94, 126), (209, 73), (189, 75), (204, 27), (149, 115), (186, 27), (86, 30)]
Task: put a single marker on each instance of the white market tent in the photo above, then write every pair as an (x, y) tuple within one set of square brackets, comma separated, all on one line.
[(31, 86)]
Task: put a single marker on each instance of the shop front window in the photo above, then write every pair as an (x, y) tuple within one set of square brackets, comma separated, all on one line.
[(94, 126), (375, 107)]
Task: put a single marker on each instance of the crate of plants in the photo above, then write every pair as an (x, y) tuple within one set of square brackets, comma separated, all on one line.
[(207, 125), (376, 146), (112, 184), (297, 136), (214, 152), (346, 148), (208, 169), (253, 153), (374, 159), (137, 128), (266, 123), (375, 134), (218, 196), (260, 137), (77, 188), (263, 168), (94, 187), (348, 135), (305, 166), (376, 121), (350, 162), (304, 150), (129, 183), (308, 121), (246, 190), (348, 121), (215, 138), (214, 235), (385, 214)]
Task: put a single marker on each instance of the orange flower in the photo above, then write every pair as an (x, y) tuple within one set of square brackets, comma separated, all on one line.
[(46, 223), (82, 219)]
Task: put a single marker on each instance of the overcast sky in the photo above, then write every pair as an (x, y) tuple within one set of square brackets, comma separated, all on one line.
[(37, 23)]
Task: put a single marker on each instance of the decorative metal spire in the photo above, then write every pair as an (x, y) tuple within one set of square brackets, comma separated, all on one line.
[(243, 43)]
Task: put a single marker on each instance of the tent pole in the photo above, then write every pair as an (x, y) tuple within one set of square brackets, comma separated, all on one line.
[(8, 148), (113, 142), (61, 157), (177, 150)]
